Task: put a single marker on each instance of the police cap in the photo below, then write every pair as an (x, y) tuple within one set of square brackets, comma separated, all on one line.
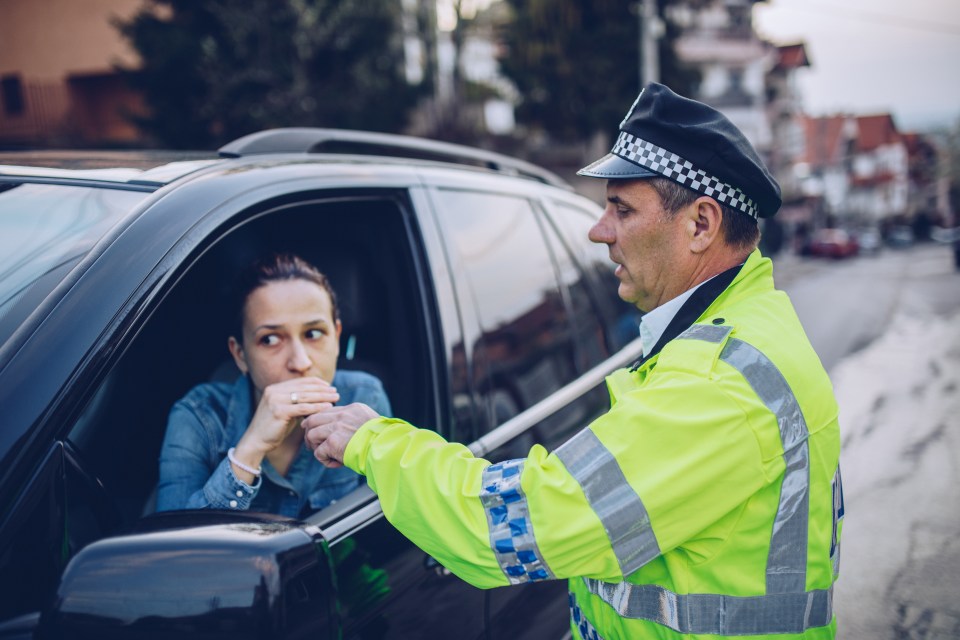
[(695, 145)]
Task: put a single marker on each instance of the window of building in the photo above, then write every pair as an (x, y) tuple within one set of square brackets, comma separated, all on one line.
[(11, 92)]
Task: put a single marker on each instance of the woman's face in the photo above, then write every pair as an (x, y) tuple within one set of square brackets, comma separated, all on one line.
[(288, 332)]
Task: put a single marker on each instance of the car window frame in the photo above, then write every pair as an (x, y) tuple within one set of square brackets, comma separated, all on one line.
[(162, 276)]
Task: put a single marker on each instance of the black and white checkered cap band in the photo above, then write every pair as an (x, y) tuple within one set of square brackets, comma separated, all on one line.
[(670, 165)]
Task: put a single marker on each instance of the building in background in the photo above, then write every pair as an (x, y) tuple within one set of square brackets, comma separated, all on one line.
[(786, 115), (825, 166), (926, 187), (718, 40), (58, 83), (878, 173), (845, 170)]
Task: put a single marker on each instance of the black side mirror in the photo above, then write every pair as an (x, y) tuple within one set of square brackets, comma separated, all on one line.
[(199, 575)]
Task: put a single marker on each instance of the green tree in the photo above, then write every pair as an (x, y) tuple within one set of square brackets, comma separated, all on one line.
[(576, 63), (213, 70)]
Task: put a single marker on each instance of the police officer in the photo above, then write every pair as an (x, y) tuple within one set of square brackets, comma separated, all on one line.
[(707, 501)]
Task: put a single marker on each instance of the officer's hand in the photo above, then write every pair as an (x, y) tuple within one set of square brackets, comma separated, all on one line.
[(328, 432)]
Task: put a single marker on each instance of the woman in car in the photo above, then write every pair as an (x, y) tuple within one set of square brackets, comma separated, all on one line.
[(239, 445)]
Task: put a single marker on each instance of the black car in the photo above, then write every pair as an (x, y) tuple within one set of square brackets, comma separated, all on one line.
[(466, 284)]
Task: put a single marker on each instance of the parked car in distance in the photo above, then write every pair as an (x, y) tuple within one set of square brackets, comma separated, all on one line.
[(900, 236), (831, 243), (465, 281), (869, 241)]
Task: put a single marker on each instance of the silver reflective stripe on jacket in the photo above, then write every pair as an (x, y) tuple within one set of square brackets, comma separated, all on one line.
[(786, 607), (508, 519), (707, 613), (618, 506), (787, 561)]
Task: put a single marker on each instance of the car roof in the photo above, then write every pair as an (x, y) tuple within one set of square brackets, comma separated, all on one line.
[(153, 169)]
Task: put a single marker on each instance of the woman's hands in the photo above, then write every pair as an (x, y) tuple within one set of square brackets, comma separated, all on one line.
[(282, 405)]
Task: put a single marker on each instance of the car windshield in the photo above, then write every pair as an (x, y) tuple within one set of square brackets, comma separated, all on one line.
[(45, 230)]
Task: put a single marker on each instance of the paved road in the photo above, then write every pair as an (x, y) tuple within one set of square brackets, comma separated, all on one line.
[(886, 329), (846, 305)]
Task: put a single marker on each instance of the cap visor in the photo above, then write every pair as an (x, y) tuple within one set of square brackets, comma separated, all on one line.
[(614, 167)]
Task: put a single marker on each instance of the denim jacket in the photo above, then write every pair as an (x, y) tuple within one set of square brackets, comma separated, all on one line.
[(211, 418)]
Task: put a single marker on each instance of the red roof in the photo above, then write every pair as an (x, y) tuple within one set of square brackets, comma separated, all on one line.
[(884, 177), (827, 136), (792, 56), (876, 131), (823, 137)]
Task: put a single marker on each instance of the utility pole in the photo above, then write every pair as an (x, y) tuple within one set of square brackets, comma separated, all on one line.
[(651, 30)]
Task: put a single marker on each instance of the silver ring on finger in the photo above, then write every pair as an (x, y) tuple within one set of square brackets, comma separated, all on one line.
[(294, 398)]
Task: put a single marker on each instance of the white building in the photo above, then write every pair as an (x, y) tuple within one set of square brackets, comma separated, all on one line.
[(879, 173), (719, 41), (858, 165), (786, 117)]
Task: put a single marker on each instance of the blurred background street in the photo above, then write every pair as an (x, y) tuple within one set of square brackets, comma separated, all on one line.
[(886, 328)]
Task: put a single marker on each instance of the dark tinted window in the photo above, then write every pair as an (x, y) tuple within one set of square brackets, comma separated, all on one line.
[(521, 345), (621, 319), (44, 231), (591, 346)]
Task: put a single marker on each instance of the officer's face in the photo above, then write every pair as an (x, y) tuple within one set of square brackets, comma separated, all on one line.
[(644, 242)]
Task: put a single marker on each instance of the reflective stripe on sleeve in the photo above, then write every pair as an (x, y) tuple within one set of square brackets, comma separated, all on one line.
[(706, 613), (508, 519), (612, 499)]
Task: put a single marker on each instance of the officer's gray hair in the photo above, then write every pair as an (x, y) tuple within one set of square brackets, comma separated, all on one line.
[(739, 230)]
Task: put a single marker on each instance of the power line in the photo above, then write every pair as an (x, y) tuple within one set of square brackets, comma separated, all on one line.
[(877, 18)]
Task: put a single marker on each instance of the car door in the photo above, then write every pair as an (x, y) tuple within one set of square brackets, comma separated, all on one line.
[(519, 345), (366, 240), (156, 347)]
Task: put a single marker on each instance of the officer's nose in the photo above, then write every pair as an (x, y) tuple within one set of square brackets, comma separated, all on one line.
[(299, 360), (601, 232)]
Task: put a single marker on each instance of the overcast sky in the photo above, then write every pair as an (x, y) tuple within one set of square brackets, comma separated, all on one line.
[(874, 56)]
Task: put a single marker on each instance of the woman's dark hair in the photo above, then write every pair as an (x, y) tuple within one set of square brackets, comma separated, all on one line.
[(275, 267)]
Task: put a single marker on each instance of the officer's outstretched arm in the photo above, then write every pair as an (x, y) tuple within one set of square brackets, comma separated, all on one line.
[(485, 522), (610, 500)]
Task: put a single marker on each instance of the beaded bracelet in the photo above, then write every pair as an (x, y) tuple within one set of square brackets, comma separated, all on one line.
[(240, 465)]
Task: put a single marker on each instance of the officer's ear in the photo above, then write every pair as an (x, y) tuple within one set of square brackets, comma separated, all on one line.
[(704, 217)]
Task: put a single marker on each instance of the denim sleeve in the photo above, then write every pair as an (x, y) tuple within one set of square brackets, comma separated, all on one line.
[(193, 472), (375, 397), (360, 386)]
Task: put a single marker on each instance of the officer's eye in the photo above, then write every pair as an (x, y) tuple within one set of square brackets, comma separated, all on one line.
[(315, 334)]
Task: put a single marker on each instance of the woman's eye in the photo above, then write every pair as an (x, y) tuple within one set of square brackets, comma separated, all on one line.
[(314, 334), (270, 340)]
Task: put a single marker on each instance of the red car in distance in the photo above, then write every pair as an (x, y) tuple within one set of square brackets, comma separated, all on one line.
[(832, 243)]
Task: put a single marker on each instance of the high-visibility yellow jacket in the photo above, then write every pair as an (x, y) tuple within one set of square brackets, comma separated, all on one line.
[(706, 503)]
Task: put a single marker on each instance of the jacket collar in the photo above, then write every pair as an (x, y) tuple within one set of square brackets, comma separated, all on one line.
[(703, 298)]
